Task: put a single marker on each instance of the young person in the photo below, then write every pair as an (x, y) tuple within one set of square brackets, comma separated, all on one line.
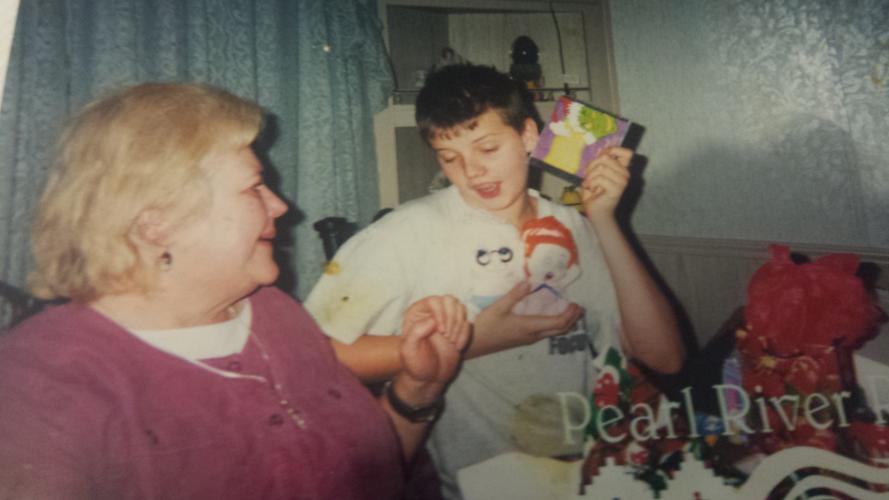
[(465, 240)]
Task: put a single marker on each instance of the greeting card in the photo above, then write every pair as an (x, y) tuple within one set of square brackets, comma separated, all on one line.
[(575, 134)]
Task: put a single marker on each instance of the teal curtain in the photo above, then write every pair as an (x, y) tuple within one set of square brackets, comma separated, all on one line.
[(317, 66)]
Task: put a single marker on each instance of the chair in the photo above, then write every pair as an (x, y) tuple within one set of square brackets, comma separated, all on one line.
[(334, 231), (16, 305)]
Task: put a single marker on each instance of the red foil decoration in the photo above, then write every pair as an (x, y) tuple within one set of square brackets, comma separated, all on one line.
[(819, 303)]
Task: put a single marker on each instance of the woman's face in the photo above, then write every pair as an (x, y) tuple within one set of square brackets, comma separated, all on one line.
[(227, 249)]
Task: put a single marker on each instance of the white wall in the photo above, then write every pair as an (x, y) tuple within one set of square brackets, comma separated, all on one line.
[(765, 119)]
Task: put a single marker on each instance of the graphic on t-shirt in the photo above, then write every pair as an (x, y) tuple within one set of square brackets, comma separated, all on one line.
[(496, 263), (551, 264)]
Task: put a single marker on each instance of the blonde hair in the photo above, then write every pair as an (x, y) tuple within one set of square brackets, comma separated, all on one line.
[(134, 150)]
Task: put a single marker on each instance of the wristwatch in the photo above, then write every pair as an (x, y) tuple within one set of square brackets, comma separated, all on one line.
[(414, 414)]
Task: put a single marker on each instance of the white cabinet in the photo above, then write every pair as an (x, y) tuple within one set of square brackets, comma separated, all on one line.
[(482, 32)]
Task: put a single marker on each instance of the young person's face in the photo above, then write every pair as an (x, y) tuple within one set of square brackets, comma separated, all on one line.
[(487, 161)]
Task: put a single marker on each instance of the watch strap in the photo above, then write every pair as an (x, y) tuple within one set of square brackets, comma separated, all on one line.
[(414, 414)]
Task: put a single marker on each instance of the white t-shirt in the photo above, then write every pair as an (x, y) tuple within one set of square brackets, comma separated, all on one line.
[(521, 399)]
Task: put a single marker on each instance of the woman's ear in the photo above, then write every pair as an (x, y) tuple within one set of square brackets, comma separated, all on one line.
[(150, 229), (530, 135)]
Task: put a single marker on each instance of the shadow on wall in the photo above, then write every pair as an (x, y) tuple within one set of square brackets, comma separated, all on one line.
[(803, 186), (284, 226)]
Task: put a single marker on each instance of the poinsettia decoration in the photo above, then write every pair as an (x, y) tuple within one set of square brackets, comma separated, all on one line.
[(802, 322), (614, 386), (621, 384), (819, 303), (872, 441)]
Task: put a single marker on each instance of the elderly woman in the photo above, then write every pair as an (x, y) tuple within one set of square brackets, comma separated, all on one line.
[(174, 371)]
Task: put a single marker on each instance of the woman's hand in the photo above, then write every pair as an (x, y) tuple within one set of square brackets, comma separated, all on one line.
[(604, 183), (434, 333)]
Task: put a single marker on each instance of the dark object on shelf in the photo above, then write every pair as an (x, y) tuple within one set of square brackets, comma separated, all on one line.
[(448, 56), (525, 66)]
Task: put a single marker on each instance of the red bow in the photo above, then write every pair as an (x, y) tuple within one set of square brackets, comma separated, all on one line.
[(818, 303)]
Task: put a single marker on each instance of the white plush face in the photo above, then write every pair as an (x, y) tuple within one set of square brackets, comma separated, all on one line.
[(496, 258), (548, 264), (496, 269)]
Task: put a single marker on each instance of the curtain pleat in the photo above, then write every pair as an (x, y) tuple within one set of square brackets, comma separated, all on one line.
[(317, 67)]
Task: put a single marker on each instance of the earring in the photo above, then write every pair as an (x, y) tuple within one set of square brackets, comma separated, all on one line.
[(166, 261)]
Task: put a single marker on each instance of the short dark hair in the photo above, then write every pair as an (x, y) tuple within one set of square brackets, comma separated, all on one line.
[(457, 93)]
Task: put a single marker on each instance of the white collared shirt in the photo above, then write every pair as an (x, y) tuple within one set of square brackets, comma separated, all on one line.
[(197, 343)]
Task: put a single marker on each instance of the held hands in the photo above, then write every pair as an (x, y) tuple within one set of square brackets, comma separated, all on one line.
[(497, 327), (605, 181), (434, 333)]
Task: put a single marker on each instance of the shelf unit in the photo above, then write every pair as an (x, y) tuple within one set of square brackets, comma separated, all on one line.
[(482, 31)]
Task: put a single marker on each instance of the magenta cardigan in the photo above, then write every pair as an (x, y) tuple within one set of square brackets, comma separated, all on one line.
[(89, 411)]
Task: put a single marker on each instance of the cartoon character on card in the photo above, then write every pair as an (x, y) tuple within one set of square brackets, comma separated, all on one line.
[(496, 264), (550, 265), (579, 136)]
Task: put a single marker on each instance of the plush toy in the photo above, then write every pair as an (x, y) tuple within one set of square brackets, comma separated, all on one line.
[(496, 263), (550, 265)]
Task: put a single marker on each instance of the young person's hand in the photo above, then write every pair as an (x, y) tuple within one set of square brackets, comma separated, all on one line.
[(649, 330), (434, 333), (604, 183), (497, 328)]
